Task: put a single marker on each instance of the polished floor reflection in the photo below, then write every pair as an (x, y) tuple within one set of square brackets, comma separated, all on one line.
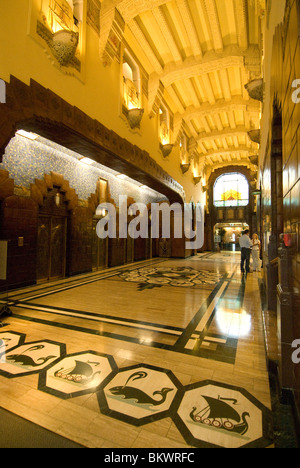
[(161, 353)]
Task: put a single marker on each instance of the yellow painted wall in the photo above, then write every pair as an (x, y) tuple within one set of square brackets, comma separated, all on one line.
[(97, 92)]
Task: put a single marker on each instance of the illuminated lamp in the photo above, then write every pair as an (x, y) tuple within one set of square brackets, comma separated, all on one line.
[(184, 167), (255, 89), (197, 179), (166, 149), (134, 117)]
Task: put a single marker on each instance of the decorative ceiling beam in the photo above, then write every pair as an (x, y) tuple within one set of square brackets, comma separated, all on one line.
[(225, 84), (141, 39), (132, 8), (212, 13), (231, 56), (208, 89), (163, 25), (236, 103), (187, 19), (173, 95), (227, 132), (231, 118), (241, 10)]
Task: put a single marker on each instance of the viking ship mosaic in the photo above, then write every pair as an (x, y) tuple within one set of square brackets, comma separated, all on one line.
[(219, 413)]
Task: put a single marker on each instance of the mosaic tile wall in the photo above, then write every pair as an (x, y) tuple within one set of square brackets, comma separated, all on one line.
[(28, 160)]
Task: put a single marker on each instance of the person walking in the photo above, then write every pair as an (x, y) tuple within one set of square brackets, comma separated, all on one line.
[(246, 245), (256, 252)]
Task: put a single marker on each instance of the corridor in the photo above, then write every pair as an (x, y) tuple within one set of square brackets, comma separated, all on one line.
[(165, 353)]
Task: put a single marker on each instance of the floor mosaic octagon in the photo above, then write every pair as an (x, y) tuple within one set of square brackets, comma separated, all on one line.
[(213, 414), (207, 413), (30, 358), (76, 374), (140, 394)]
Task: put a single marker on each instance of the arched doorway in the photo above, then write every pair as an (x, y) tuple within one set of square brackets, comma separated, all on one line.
[(231, 206), (226, 235)]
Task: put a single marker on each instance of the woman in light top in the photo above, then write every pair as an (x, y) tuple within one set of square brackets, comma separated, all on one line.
[(256, 252)]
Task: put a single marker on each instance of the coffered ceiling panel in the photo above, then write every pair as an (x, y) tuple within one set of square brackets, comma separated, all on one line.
[(203, 52)]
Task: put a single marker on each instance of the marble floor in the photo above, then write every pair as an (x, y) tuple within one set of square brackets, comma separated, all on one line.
[(165, 353)]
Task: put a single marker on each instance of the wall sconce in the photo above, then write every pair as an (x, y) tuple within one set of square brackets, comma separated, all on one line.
[(254, 159), (197, 179), (134, 117), (166, 149), (254, 136), (255, 89), (63, 46), (184, 167)]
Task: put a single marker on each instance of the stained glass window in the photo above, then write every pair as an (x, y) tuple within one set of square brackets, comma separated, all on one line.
[(231, 190)]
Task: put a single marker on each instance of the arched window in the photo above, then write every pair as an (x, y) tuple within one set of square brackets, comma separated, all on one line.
[(131, 82), (231, 189)]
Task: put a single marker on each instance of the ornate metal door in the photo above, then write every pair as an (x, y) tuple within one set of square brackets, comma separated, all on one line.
[(99, 249), (57, 247), (43, 248), (51, 248), (52, 235)]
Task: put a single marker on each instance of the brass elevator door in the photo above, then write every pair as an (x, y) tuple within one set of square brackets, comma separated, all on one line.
[(99, 249), (51, 248)]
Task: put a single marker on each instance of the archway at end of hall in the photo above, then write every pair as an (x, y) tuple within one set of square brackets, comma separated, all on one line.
[(231, 206)]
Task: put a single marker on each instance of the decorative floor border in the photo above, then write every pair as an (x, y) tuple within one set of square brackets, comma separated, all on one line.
[(207, 413), (194, 340)]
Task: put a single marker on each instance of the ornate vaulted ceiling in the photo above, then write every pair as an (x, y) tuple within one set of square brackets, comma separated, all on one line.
[(199, 55)]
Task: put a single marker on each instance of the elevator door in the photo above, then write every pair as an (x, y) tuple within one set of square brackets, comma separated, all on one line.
[(99, 249), (51, 250)]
